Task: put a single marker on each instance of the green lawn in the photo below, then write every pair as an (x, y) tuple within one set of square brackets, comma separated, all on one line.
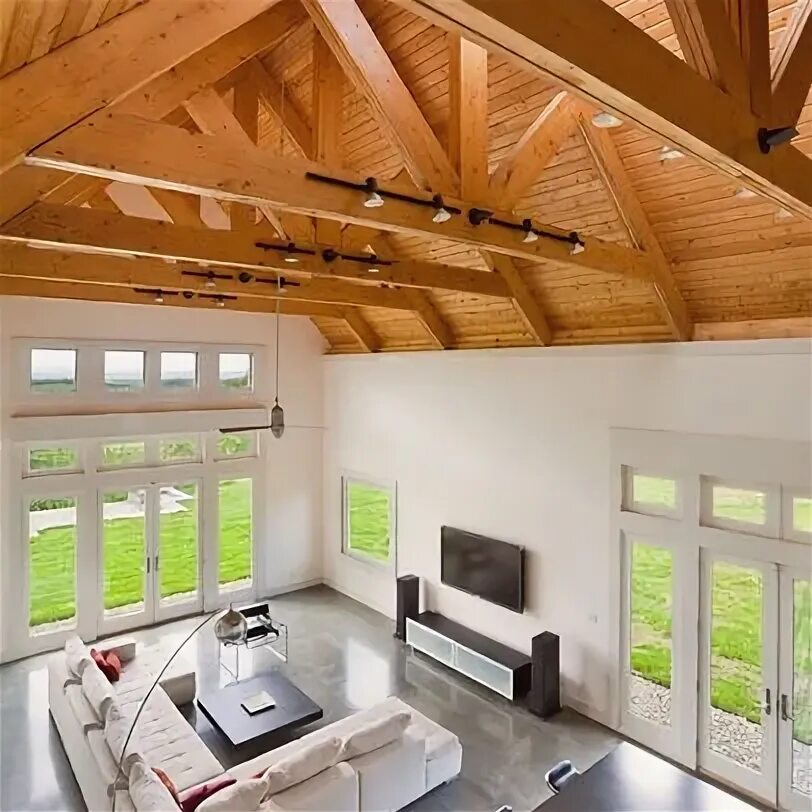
[(369, 520), (53, 552), (736, 629)]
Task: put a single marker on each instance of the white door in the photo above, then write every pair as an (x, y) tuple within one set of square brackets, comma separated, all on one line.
[(794, 705), (738, 673)]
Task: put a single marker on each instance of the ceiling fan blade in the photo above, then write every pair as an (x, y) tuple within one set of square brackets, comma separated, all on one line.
[(239, 429)]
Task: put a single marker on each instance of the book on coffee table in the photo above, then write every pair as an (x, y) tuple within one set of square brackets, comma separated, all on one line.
[(258, 702)]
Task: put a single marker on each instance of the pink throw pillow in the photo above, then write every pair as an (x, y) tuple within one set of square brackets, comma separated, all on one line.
[(190, 799)]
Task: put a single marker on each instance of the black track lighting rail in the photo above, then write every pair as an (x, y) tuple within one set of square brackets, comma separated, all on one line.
[(331, 255), (285, 248), (281, 282)]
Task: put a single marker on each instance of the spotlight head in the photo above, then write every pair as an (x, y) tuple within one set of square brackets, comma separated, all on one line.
[(441, 214), (769, 138), (159, 298), (373, 268), (373, 198), (290, 256), (187, 294), (210, 280), (605, 121), (245, 277), (577, 246), (476, 217), (219, 302), (529, 234)]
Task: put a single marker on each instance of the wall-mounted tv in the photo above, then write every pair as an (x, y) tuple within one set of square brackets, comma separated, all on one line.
[(490, 569)]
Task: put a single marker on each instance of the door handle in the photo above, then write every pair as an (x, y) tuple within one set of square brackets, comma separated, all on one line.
[(156, 563), (148, 564), (787, 717), (767, 707)]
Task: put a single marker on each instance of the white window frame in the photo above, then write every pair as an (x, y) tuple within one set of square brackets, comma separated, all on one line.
[(648, 508), (28, 472), (788, 529), (251, 452), (348, 478), (772, 507)]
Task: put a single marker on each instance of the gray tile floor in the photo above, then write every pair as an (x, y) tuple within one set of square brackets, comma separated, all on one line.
[(343, 655)]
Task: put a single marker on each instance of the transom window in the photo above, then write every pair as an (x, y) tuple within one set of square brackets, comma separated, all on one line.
[(53, 371), (179, 370), (124, 370), (649, 493), (369, 520), (52, 459), (236, 370), (176, 450), (123, 454)]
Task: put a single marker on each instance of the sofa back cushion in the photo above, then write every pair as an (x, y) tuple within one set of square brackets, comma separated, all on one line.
[(244, 796), (302, 765), (77, 656), (98, 691), (116, 730), (375, 734), (148, 792)]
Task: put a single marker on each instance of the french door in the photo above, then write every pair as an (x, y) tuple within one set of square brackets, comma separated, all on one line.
[(149, 553)]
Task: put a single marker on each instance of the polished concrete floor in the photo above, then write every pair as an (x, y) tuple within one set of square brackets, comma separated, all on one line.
[(343, 655)]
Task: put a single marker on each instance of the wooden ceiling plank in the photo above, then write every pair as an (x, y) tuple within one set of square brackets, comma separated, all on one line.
[(360, 328), (24, 26), (328, 98), (48, 27), (283, 104), (750, 22), (155, 154), (72, 21), (93, 15), (797, 327), (429, 315), (7, 12), (616, 180), (183, 210), (625, 73), (523, 164), (366, 63), (44, 98), (792, 67), (525, 303), (468, 116), (73, 228)]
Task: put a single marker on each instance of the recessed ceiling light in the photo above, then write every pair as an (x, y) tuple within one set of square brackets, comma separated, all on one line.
[(606, 121)]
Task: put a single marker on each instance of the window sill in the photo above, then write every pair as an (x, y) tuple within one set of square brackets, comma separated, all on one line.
[(372, 563)]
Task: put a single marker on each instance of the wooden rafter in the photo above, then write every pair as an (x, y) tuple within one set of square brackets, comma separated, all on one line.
[(149, 153), (792, 68), (328, 97), (750, 22), (72, 228), (246, 114), (183, 210), (431, 318), (569, 42), (706, 38), (523, 164), (616, 181), (366, 63), (468, 116), (360, 328)]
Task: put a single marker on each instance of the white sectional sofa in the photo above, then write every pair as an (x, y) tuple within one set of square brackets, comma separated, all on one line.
[(349, 766)]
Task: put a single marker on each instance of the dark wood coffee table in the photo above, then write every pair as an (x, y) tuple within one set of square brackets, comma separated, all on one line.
[(222, 707)]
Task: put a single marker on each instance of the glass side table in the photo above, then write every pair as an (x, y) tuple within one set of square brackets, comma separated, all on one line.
[(262, 630)]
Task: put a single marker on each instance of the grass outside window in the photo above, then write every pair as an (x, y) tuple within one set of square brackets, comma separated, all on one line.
[(368, 527)]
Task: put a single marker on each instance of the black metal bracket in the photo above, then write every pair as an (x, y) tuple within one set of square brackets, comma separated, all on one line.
[(286, 248), (769, 138)]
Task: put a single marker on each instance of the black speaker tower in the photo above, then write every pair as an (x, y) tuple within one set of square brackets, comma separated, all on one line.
[(408, 602), (544, 697)]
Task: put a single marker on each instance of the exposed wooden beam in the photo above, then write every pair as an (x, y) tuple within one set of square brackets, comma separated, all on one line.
[(792, 67), (155, 154), (525, 303), (468, 116), (522, 166), (616, 181), (87, 73), (183, 210), (800, 327), (282, 104), (360, 328), (246, 114), (750, 22), (626, 73), (20, 260), (708, 45), (328, 98), (75, 190), (73, 228), (45, 289), (431, 318), (366, 63)]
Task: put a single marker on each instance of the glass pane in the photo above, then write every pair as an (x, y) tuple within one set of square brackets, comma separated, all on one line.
[(802, 514), (124, 550), (185, 449), (56, 458), (53, 370), (124, 370), (657, 491), (650, 647), (236, 370), (177, 563), (118, 455), (802, 687), (51, 564), (235, 445), (179, 370), (236, 532), (739, 504), (736, 664), (369, 520)]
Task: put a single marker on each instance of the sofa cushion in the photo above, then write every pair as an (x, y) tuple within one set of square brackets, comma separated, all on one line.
[(191, 798), (77, 656), (116, 731), (81, 708), (243, 796), (105, 762), (375, 734), (302, 765), (335, 789), (98, 691), (147, 791)]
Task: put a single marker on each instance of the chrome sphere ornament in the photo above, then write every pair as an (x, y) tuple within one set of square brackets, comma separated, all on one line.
[(231, 626)]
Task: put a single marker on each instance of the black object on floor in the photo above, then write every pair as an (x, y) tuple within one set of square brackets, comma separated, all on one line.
[(408, 602), (544, 697)]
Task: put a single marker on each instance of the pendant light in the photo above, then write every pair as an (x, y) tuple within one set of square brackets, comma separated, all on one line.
[(277, 413)]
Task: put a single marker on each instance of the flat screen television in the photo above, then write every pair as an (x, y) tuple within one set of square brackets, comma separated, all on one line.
[(490, 569)]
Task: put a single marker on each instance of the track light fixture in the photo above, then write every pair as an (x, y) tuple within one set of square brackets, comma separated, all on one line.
[(290, 250), (245, 277), (159, 298), (529, 233), (373, 268), (773, 137), (373, 199), (442, 214), (290, 256), (219, 302), (476, 217), (158, 295), (577, 244), (210, 280)]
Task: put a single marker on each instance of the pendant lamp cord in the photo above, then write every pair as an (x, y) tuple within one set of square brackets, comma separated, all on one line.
[(276, 394)]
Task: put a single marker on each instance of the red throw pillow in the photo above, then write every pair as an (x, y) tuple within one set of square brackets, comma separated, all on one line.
[(166, 781), (108, 669), (190, 799), (113, 666)]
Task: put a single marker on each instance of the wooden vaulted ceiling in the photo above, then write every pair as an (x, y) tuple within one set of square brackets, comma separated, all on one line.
[(191, 151)]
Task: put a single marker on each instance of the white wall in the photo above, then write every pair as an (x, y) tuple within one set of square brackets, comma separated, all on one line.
[(516, 445), (294, 472)]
